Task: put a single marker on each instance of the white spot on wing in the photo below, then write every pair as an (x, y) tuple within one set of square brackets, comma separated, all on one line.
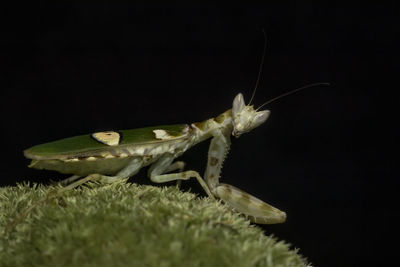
[(70, 160), (109, 138), (139, 150), (162, 135)]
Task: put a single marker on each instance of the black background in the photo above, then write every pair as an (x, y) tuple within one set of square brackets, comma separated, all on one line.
[(324, 154)]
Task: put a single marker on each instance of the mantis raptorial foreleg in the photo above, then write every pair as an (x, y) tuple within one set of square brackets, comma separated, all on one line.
[(219, 147), (241, 201), (164, 164), (257, 210)]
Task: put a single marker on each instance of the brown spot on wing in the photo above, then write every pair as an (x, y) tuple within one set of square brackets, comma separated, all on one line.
[(200, 125), (220, 118)]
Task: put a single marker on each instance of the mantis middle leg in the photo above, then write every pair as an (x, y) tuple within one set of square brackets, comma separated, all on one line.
[(164, 164)]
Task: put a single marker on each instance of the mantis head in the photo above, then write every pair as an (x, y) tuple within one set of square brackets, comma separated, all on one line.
[(245, 118)]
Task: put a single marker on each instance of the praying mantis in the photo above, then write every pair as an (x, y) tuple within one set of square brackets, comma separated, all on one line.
[(112, 156), (123, 153)]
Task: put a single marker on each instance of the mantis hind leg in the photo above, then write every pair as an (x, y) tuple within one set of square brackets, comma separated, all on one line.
[(131, 169), (70, 180)]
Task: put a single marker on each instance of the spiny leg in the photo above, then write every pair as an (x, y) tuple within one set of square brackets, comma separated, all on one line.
[(164, 164), (255, 209), (219, 147)]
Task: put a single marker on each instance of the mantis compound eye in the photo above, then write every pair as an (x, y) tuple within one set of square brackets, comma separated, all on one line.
[(260, 118)]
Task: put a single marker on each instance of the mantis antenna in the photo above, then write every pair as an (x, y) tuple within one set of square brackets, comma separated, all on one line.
[(282, 95), (292, 92), (260, 68)]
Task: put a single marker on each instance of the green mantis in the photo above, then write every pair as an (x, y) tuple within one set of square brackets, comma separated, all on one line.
[(116, 155)]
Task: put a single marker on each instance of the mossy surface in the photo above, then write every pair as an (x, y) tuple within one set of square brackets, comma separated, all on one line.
[(126, 224)]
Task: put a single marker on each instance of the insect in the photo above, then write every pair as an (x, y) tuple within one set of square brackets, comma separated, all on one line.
[(114, 155)]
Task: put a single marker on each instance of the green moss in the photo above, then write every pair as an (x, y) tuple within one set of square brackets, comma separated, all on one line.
[(131, 225)]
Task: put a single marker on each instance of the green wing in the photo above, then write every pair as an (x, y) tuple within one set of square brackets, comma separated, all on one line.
[(84, 143)]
